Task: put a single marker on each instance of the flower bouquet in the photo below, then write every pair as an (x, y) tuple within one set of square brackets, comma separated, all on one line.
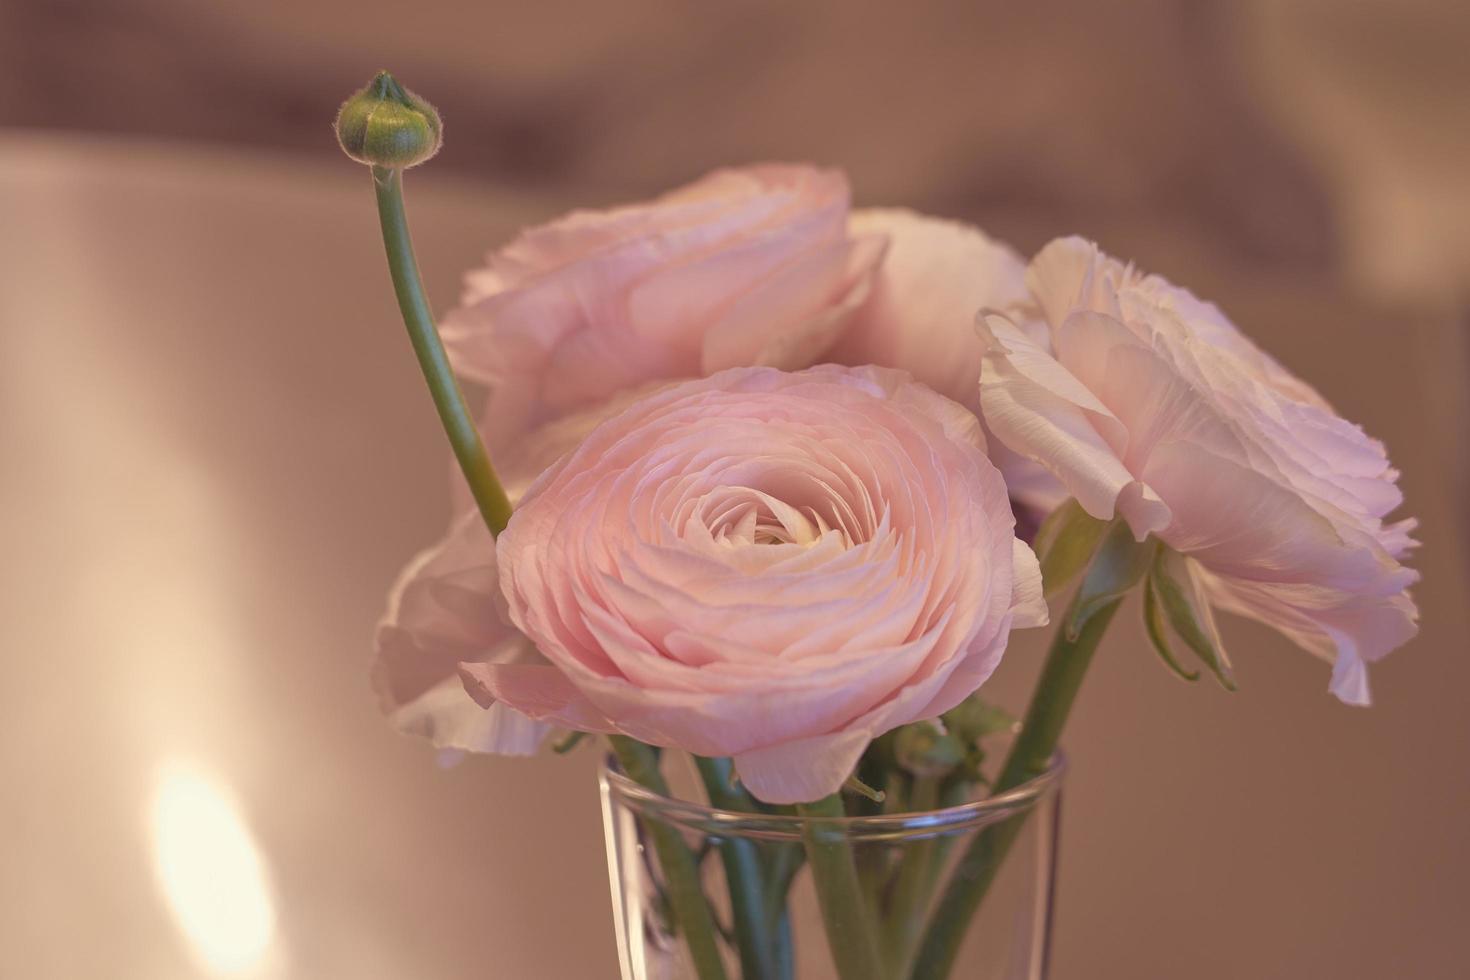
[(774, 480)]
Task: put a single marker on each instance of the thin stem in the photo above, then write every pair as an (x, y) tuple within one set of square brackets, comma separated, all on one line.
[(875, 864), (839, 893), (913, 889), (754, 936), (1066, 665), (681, 873), (489, 495), (782, 865), (784, 952)]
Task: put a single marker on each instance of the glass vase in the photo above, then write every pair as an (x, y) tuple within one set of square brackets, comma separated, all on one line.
[(701, 893)]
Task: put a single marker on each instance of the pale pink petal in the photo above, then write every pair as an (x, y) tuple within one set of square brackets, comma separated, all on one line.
[(803, 769), (1239, 523), (1063, 277), (1038, 409), (540, 692), (1349, 630), (920, 318), (449, 718), (678, 303), (445, 607), (1028, 601), (792, 320)]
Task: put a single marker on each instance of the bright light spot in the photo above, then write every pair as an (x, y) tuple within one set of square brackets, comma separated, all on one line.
[(210, 872)]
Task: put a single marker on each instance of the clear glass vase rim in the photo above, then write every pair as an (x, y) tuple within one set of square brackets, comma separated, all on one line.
[(775, 826)]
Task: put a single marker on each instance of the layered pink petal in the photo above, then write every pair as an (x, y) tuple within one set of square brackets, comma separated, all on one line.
[(1147, 402), (743, 266), (768, 566), (1038, 409), (536, 691)]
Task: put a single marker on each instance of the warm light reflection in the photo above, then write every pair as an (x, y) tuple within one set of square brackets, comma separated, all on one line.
[(210, 872)]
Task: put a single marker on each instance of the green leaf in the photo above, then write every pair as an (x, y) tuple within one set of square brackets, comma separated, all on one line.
[(1117, 567), (1153, 621), (1065, 542), (1188, 610)]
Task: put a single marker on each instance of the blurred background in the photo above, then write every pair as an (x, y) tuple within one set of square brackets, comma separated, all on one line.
[(217, 452)]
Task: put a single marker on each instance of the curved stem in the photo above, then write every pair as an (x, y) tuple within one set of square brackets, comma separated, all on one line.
[(681, 873), (1066, 665), (839, 893), (489, 496)]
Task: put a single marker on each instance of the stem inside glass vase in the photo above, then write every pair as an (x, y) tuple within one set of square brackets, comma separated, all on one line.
[(1061, 677), (796, 879)]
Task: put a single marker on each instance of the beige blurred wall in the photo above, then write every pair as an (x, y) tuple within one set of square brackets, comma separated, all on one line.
[(1326, 136), (1303, 162)]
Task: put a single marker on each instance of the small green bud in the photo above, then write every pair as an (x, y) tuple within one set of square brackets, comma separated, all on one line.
[(386, 125)]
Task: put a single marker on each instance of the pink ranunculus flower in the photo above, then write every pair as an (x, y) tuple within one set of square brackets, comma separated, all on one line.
[(745, 266), (1150, 404), (771, 566)]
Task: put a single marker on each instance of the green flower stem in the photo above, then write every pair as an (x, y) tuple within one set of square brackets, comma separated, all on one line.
[(781, 866), (681, 873), (784, 951), (1066, 664), (913, 889), (839, 893), (875, 864), (489, 496), (755, 934)]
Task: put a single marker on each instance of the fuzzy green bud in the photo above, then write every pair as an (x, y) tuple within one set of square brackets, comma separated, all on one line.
[(386, 125)]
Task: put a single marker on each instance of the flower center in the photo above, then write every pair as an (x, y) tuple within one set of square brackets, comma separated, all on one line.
[(739, 516)]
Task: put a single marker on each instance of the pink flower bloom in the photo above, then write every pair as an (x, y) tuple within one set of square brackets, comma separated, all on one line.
[(775, 567), (1148, 403), (743, 267)]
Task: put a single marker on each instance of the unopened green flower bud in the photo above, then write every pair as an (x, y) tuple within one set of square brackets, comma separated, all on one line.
[(386, 125)]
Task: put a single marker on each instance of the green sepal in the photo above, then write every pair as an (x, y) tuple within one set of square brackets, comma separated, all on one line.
[(1188, 611), (1118, 565), (1153, 621), (1064, 543)]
